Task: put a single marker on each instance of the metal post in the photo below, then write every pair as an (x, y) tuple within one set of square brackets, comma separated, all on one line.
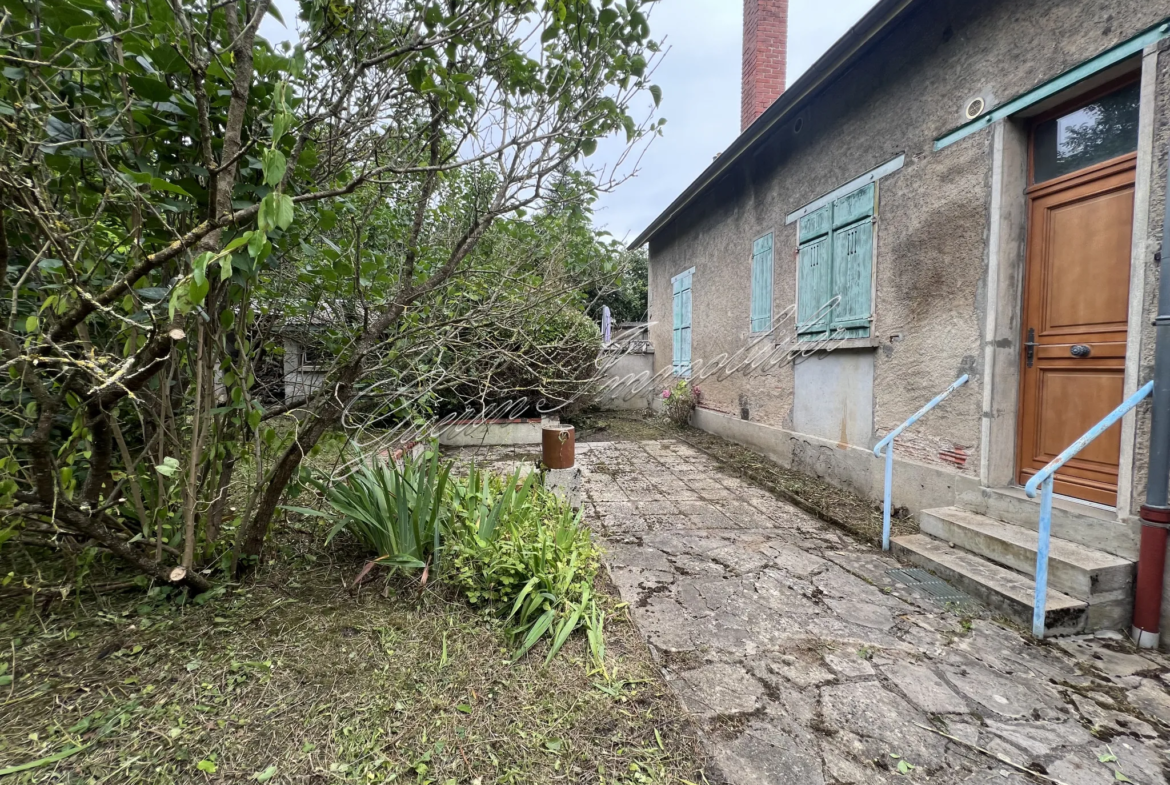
[(889, 493), (1040, 598), (1155, 514)]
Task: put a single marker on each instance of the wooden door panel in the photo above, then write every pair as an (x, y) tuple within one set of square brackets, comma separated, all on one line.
[(1079, 298), (1071, 401), (1076, 305)]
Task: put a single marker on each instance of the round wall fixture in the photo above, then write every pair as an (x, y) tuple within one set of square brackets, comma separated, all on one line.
[(975, 108)]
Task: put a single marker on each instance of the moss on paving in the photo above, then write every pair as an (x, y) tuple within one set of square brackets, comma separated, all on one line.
[(291, 671), (853, 512)]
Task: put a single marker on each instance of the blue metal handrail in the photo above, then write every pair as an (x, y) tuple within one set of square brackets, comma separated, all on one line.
[(1047, 477), (888, 441)]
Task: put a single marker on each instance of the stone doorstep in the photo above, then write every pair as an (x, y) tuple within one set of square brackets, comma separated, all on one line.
[(1089, 525), (997, 587), (1085, 573)]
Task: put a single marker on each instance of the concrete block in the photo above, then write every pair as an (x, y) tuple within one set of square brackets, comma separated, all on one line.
[(565, 483), (1089, 525)]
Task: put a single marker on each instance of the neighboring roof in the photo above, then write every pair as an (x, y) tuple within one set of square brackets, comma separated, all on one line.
[(840, 57)]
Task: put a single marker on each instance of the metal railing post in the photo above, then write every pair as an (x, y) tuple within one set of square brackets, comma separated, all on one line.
[(888, 443), (1043, 481), (889, 492), (1040, 599)]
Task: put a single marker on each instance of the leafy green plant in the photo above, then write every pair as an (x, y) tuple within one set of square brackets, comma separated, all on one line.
[(523, 551), (485, 499), (396, 511), (679, 401)]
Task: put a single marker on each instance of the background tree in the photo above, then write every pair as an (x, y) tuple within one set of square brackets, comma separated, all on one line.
[(163, 172)]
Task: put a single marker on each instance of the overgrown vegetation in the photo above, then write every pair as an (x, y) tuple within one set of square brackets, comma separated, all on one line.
[(505, 543), (409, 182), (679, 402)]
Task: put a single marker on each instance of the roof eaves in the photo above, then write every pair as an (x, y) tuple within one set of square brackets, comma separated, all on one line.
[(840, 56)]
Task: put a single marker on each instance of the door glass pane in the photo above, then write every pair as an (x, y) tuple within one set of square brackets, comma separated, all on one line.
[(1104, 129)]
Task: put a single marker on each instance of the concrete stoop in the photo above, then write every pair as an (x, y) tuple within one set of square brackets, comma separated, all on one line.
[(995, 562)]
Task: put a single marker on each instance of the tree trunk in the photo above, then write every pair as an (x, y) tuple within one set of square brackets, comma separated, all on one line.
[(326, 414)]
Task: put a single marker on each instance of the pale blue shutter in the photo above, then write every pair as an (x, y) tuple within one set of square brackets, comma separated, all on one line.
[(814, 276), (682, 325), (853, 263), (762, 284)]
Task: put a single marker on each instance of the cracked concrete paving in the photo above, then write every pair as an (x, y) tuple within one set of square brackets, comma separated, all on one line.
[(803, 662)]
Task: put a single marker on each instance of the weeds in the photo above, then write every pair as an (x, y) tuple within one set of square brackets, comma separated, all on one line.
[(537, 563)]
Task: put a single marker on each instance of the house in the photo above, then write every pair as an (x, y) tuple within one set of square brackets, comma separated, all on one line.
[(953, 189)]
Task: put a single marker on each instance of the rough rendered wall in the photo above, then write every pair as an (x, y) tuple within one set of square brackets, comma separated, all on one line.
[(932, 229), (1153, 243)]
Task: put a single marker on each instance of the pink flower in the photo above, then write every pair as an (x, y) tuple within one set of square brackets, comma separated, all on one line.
[(666, 393)]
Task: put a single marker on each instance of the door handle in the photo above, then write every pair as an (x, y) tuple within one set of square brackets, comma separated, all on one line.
[(1080, 350), (1030, 347)]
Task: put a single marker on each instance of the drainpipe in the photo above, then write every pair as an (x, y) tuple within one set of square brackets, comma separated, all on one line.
[(1155, 514)]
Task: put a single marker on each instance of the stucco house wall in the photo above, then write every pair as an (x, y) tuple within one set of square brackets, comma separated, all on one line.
[(935, 234)]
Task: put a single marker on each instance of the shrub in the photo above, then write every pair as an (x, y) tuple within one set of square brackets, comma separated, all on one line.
[(679, 401), (535, 566), (396, 511)]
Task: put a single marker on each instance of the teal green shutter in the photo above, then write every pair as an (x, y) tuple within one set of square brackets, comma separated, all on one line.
[(682, 325), (814, 276), (835, 268), (762, 284), (853, 263)]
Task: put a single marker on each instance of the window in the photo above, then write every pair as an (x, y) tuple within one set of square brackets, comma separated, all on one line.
[(834, 271), (1104, 129), (682, 322), (762, 284)]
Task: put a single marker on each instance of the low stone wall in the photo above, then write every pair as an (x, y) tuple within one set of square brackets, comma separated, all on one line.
[(638, 366), (916, 486), (492, 433)]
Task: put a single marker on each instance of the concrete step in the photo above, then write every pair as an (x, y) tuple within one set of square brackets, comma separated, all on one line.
[(1087, 524), (997, 587), (1085, 573)]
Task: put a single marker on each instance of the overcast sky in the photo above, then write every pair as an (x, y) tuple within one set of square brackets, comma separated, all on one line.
[(700, 84)]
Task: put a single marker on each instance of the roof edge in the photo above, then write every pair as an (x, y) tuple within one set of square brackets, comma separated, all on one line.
[(841, 54)]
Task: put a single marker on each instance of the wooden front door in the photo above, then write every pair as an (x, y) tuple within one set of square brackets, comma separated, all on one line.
[(1076, 287), (1076, 309)]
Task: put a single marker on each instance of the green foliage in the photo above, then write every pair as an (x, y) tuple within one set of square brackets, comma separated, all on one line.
[(483, 500), (176, 192), (679, 401), (626, 294), (505, 542), (536, 568), (394, 510)]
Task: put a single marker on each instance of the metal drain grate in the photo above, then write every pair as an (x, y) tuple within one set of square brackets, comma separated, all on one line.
[(941, 592)]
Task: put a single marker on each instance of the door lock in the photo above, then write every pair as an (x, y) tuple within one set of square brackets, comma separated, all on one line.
[(1030, 347), (1080, 350)]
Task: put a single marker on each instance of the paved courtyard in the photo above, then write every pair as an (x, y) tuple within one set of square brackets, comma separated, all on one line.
[(804, 662)]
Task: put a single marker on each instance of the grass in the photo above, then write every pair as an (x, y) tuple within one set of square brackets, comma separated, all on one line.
[(290, 678)]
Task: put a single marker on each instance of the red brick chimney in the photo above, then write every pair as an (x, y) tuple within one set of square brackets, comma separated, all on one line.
[(765, 56)]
